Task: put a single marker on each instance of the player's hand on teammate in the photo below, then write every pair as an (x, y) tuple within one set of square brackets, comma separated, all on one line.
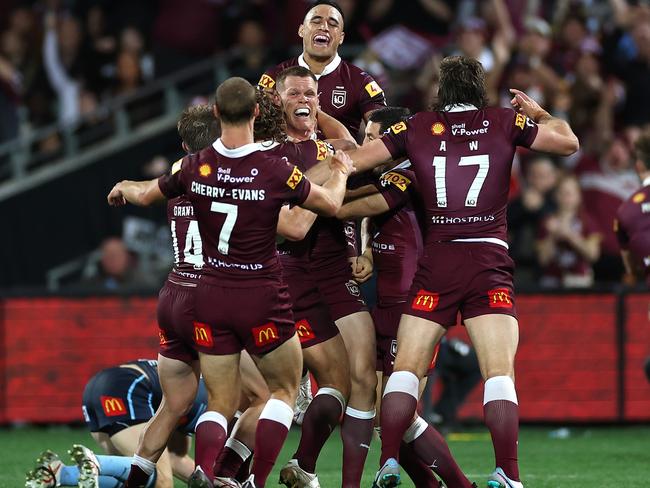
[(524, 104), (343, 162), (361, 268), (115, 197)]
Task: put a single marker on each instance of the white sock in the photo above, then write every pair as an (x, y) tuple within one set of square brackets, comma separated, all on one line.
[(404, 382), (499, 388), (144, 464)]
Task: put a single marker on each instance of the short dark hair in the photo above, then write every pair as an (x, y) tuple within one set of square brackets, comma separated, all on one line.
[(299, 71), (388, 116), (235, 100), (331, 3), (642, 148), (462, 80), (198, 127)]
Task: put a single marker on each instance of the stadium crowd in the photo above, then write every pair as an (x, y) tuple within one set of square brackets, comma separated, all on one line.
[(306, 282), (588, 61)]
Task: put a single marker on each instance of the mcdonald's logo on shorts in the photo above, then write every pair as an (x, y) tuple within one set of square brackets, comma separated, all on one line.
[(425, 301), (265, 334), (112, 406), (499, 298), (203, 334), (304, 330)]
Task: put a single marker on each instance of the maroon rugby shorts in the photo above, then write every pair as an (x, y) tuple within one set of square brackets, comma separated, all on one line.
[(257, 318), (175, 313), (473, 278), (314, 324), (386, 320), (337, 287)]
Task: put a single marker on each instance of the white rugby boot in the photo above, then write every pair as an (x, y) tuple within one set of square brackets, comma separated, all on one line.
[(293, 476), (88, 466), (498, 479), (303, 400), (388, 476), (220, 482), (47, 473)]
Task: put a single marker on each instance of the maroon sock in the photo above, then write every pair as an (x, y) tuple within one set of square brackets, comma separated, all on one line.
[(137, 478), (420, 474), (272, 430), (322, 416), (502, 419), (234, 454), (356, 433), (432, 449), (244, 470), (210, 439), (397, 411)]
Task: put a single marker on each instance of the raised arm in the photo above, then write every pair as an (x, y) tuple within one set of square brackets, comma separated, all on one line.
[(554, 135), (335, 131), (368, 206), (326, 199), (294, 223), (140, 193)]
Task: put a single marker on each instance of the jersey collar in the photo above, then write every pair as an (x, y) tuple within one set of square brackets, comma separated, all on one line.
[(327, 70), (242, 151), (459, 107), (646, 182)]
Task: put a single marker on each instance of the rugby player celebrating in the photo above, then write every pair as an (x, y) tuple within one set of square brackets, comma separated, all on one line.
[(462, 156)]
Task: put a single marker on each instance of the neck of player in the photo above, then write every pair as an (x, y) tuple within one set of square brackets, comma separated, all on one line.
[(317, 65), (234, 136), (298, 135)]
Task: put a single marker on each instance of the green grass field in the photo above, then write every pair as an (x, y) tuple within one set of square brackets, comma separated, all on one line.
[(590, 457)]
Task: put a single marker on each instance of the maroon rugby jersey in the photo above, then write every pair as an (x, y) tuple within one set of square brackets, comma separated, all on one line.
[(186, 241), (396, 237), (237, 195), (462, 158), (344, 91), (632, 226), (305, 155)]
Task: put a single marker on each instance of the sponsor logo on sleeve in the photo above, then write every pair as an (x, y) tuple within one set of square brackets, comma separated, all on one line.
[(638, 198), (295, 178), (304, 330), (373, 89), (322, 149), (399, 127), (205, 170), (266, 81), (265, 334), (438, 129), (203, 334), (112, 406), (499, 298), (520, 121), (400, 181), (176, 167), (425, 301), (339, 98)]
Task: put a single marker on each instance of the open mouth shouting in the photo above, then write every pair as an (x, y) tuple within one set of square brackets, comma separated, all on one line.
[(321, 40), (303, 112)]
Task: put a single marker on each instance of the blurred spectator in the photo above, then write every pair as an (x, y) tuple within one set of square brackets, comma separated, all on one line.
[(569, 241), (606, 183), (636, 75), (60, 55), (117, 268), (129, 76), (99, 51), (525, 214), (251, 55), (131, 41)]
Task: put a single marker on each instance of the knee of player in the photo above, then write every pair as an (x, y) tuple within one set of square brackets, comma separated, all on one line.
[(365, 379)]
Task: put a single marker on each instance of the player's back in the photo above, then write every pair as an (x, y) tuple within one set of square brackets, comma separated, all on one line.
[(186, 241), (633, 228), (237, 195), (462, 159)]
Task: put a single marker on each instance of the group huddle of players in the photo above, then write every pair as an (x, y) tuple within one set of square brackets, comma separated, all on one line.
[(265, 286)]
